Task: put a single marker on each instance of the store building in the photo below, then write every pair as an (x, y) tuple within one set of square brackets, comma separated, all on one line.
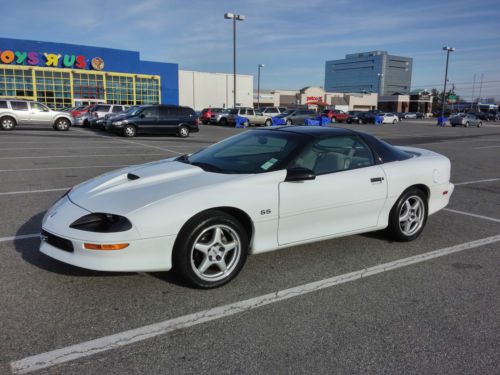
[(371, 72), (416, 101), (315, 97), (62, 75), (200, 90)]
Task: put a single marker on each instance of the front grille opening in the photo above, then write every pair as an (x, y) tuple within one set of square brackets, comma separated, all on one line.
[(56, 241)]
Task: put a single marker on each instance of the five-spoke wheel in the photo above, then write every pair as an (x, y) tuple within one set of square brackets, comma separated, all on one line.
[(409, 215)]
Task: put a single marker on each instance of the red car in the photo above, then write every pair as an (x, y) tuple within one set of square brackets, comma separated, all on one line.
[(335, 115), (206, 114), (78, 111)]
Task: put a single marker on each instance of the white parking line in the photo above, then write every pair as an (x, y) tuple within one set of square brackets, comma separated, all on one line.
[(20, 237), (57, 168), (473, 215), (112, 146), (33, 191), (478, 148), (476, 181), (137, 143), (78, 156), (88, 348)]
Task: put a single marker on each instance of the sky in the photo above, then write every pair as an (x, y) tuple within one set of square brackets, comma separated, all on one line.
[(292, 38)]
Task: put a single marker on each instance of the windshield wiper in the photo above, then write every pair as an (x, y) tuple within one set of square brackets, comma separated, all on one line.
[(183, 159), (207, 167)]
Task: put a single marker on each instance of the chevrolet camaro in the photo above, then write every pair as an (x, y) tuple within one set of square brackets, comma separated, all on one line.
[(261, 190)]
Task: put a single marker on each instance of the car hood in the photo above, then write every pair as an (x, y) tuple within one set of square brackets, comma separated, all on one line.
[(126, 190)]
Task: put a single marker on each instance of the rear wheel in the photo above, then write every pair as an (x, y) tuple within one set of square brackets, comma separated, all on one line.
[(394, 122), (289, 122), (479, 124), (408, 216), (360, 122), (268, 122), (467, 124), (333, 120), (223, 121), (183, 131), (62, 124), (8, 123), (210, 250), (129, 131)]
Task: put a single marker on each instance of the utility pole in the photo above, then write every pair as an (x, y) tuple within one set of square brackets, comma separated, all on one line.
[(258, 85), (480, 90), (234, 17), (448, 50), (473, 89)]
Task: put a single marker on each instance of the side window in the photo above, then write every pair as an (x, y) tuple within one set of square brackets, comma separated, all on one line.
[(150, 112), (3, 104), (117, 108), (335, 154), (39, 107), (19, 106), (102, 108), (250, 112)]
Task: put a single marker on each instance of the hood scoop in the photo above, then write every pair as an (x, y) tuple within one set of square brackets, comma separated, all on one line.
[(132, 176)]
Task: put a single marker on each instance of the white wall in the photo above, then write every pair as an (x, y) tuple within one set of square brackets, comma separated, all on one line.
[(200, 90)]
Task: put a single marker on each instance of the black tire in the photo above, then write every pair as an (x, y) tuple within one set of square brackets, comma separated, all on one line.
[(187, 261), (62, 124), (467, 124), (394, 122), (479, 124), (183, 131), (453, 125), (223, 121), (86, 123), (333, 120), (129, 131), (360, 122), (289, 122), (394, 228), (268, 122), (8, 123)]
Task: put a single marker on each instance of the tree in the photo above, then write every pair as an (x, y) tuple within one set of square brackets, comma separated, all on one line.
[(437, 97)]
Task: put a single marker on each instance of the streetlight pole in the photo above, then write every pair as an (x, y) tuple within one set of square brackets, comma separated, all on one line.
[(380, 75), (258, 85), (234, 17), (448, 50)]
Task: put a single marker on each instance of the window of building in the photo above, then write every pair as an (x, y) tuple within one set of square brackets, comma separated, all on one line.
[(119, 89), (147, 90), (16, 82), (53, 88), (88, 85)]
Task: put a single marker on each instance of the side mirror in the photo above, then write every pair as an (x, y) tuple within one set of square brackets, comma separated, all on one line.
[(299, 174)]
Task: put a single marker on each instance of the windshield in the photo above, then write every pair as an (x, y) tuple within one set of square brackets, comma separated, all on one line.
[(255, 151)]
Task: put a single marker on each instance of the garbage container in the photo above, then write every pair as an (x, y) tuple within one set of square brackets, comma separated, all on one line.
[(379, 120), (442, 121), (242, 122), (278, 121)]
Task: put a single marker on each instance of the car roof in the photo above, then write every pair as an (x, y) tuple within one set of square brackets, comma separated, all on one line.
[(314, 131)]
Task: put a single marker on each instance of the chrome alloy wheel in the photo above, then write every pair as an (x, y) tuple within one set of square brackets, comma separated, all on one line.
[(183, 131), (7, 123), (412, 215), (215, 252)]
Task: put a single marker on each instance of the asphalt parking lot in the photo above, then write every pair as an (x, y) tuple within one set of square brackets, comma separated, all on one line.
[(359, 304)]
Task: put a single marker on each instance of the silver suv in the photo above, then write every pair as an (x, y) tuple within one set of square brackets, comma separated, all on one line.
[(15, 112)]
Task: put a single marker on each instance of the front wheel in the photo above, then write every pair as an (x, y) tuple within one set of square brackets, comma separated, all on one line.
[(467, 124), (223, 121), (62, 124), (211, 250), (479, 124), (394, 122), (333, 120), (289, 122), (183, 131), (268, 122), (408, 216), (129, 131)]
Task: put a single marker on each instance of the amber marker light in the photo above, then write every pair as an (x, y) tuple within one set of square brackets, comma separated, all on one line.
[(117, 246)]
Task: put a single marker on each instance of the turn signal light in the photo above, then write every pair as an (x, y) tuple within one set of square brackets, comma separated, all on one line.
[(93, 246)]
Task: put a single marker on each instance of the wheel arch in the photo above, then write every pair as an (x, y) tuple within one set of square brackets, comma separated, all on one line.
[(237, 213), (62, 118)]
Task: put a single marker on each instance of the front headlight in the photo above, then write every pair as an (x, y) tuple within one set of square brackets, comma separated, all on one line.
[(102, 223)]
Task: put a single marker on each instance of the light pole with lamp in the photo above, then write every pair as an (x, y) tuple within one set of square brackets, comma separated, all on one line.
[(448, 50), (380, 75), (258, 85), (234, 17)]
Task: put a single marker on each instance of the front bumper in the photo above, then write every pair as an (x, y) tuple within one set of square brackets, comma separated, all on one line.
[(142, 254)]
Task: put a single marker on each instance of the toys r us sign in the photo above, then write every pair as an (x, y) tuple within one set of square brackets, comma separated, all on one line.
[(50, 60)]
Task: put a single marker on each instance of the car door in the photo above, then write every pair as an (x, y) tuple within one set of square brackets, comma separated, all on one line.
[(40, 114), (21, 110), (148, 120), (347, 194)]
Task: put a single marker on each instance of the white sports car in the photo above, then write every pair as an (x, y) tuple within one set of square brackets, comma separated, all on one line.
[(258, 191)]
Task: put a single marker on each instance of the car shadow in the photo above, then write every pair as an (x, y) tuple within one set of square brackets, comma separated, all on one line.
[(29, 250)]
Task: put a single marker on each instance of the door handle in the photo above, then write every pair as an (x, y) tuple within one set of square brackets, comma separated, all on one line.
[(376, 179)]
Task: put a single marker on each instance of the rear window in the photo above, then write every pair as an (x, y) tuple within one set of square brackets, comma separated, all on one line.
[(19, 106), (102, 108), (3, 104)]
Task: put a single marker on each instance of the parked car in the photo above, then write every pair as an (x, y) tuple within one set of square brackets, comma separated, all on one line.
[(389, 118), (361, 118), (156, 119), (483, 116), (206, 114), (15, 112), (270, 111), (82, 115), (297, 116), (219, 118), (100, 123), (250, 114), (335, 115), (466, 119), (202, 214), (101, 110), (400, 115)]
